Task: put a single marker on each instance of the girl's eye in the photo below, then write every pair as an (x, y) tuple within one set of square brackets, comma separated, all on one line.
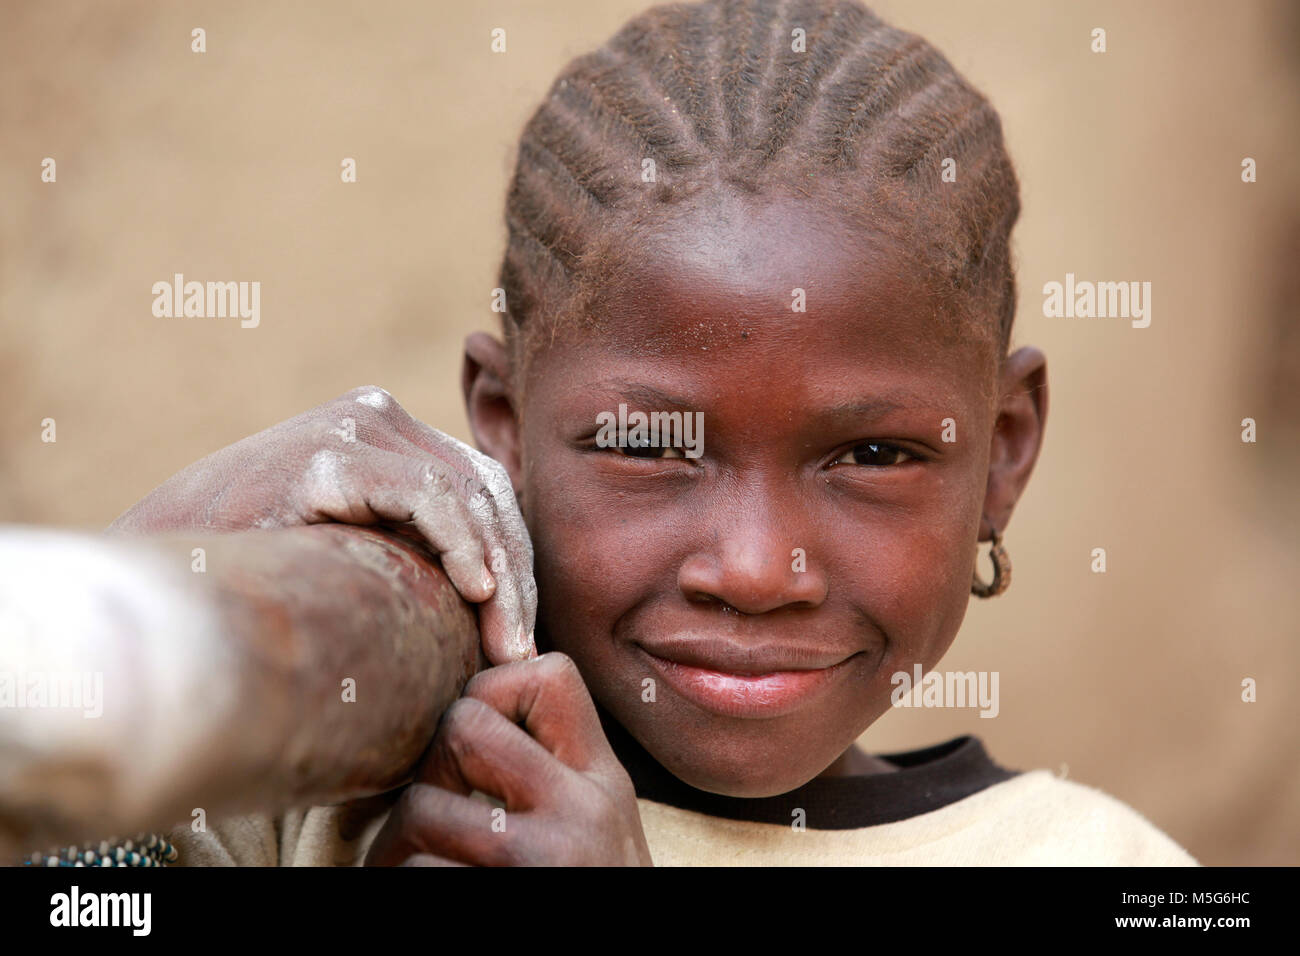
[(874, 454), (632, 450)]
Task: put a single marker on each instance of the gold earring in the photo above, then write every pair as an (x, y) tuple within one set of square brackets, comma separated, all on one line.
[(1001, 570)]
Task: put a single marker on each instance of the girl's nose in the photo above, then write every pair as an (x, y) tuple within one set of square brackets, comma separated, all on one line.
[(755, 565)]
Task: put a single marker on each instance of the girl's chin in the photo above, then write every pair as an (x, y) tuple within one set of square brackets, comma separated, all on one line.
[(737, 771), (718, 780)]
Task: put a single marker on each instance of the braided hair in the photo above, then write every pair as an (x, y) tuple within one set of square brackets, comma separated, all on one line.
[(720, 95)]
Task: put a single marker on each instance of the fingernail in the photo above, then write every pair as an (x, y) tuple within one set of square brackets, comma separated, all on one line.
[(489, 582)]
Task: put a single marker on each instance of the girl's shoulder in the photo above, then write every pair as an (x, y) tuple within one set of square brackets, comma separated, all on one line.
[(1060, 821), (337, 835)]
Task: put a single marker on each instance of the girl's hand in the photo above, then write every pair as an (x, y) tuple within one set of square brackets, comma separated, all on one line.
[(361, 459), (568, 801)]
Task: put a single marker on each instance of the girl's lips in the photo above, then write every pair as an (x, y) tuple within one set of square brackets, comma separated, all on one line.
[(745, 695)]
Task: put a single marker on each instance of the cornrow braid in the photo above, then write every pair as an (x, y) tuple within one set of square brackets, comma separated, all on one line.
[(718, 95)]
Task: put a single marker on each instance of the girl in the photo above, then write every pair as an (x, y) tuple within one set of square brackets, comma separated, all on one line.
[(789, 221)]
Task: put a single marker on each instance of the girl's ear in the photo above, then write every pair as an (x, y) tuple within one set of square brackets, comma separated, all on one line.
[(490, 405), (1017, 435)]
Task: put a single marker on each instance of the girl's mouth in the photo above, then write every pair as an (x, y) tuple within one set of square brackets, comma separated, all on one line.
[(753, 696)]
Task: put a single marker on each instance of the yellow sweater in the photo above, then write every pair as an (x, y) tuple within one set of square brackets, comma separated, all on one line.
[(947, 805)]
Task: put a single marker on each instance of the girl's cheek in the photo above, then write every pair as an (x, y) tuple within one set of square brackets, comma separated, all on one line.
[(916, 587), (584, 550), (942, 596)]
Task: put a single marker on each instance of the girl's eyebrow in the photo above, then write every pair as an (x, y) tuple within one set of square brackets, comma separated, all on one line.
[(878, 407), (862, 409), (643, 394)]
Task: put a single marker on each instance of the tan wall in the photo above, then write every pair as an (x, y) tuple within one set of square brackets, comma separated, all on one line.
[(226, 166)]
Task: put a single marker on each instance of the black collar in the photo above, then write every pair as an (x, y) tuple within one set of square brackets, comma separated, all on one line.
[(926, 780)]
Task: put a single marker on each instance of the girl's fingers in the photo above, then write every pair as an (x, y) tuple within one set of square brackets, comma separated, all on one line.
[(505, 619), (510, 551), (476, 748), (550, 700), (499, 632), (400, 488), (460, 500), (431, 826), (488, 473)]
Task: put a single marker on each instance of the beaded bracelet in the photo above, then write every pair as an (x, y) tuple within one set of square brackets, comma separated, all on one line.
[(147, 849)]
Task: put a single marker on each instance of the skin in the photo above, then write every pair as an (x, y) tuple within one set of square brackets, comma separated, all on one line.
[(629, 548)]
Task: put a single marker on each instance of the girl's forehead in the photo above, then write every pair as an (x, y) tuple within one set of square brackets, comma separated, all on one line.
[(773, 290), (835, 323), (791, 281)]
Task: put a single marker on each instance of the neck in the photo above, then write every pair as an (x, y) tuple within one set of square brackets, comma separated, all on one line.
[(856, 763)]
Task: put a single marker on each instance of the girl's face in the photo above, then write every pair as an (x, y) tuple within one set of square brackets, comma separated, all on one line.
[(741, 613)]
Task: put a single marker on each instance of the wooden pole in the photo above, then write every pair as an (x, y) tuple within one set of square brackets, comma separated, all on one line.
[(145, 679)]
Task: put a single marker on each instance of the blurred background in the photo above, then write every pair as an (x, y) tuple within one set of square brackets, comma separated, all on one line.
[(225, 166)]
